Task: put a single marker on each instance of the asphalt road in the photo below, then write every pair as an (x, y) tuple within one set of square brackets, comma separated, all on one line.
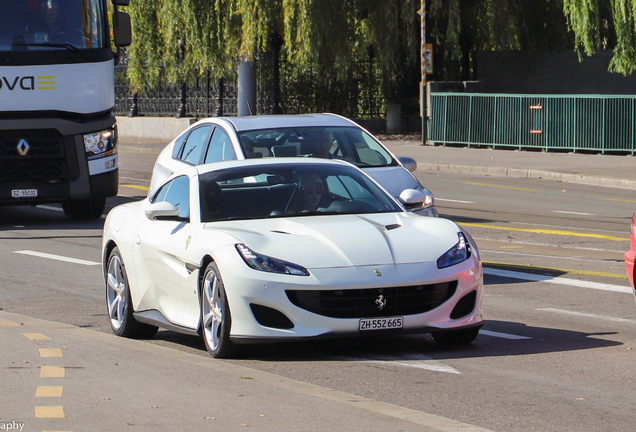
[(556, 353)]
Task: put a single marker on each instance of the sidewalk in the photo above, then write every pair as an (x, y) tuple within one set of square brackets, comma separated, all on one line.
[(591, 169)]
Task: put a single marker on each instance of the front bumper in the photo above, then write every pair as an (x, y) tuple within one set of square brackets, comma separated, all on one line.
[(246, 287)]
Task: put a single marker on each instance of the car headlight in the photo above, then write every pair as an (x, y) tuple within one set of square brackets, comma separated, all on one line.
[(458, 253), (268, 264), (100, 144)]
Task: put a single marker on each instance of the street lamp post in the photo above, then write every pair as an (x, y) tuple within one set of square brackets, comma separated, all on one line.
[(426, 67)]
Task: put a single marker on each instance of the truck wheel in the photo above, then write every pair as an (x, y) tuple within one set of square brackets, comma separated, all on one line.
[(84, 209)]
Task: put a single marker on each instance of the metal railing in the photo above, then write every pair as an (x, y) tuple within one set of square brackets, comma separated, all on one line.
[(360, 95), (598, 123)]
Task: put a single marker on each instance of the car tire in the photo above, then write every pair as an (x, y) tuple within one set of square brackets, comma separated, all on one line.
[(119, 301), (84, 209), (216, 319), (456, 337)]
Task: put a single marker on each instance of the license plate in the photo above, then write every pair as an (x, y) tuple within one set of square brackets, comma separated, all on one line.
[(24, 193), (387, 323)]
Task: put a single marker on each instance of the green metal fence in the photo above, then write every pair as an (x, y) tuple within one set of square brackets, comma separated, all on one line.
[(600, 123)]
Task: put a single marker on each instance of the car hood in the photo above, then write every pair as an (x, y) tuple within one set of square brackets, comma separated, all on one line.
[(393, 179), (346, 240)]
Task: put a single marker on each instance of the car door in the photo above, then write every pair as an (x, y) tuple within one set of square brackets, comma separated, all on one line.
[(157, 252)]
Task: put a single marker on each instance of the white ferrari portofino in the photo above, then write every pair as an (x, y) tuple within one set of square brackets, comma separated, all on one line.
[(283, 249)]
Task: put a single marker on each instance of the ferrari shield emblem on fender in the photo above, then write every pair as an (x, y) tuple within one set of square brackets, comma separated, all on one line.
[(377, 272), (188, 242)]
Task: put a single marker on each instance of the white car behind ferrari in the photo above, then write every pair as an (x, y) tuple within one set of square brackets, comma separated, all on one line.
[(283, 249)]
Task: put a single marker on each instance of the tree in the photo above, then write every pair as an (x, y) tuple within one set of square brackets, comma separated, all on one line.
[(189, 36), (605, 24)]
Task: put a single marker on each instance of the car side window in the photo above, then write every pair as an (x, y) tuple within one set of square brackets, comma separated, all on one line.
[(220, 148), (195, 144), (178, 145), (177, 192)]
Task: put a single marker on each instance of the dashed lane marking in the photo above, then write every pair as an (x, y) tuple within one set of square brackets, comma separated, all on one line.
[(454, 201), (57, 257), (50, 352), (574, 213), (587, 315), (8, 323), (52, 372), (49, 412), (502, 335), (501, 187), (143, 188), (36, 336), (558, 280), (49, 391), (545, 231), (552, 269)]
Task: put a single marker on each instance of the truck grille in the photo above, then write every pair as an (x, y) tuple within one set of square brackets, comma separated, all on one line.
[(365, 303), (44, 160)]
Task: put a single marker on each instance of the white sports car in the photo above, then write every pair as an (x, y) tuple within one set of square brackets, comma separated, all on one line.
[(283, 249)]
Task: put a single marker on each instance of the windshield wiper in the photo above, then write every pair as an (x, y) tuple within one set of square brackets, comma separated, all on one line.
[(66, 45)]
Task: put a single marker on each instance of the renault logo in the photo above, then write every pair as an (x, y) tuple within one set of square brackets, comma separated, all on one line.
[(23, 147)]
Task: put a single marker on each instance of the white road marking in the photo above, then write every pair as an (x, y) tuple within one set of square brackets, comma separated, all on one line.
[(574, 213), (557, 280), (502, 335), (58, 258), (587, 315), (546, 256), (417, 361), (45, 207), (455, 201)]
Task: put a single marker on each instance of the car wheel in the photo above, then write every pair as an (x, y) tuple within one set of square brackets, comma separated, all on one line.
[(119, 302), (456, 337), (84, 209), (216, 320)]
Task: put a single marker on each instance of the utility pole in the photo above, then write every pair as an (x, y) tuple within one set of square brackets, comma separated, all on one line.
[(426, 51)]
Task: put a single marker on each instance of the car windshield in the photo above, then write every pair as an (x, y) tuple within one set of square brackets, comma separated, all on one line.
[(346, 143), (28, 25), (289, 190)]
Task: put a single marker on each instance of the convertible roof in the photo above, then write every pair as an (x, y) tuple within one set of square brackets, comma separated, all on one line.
[(278, 121)]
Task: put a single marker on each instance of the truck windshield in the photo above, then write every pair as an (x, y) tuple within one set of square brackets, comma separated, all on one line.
[(30, 25)]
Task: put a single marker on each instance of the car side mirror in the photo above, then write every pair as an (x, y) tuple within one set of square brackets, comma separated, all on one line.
[(408, 163), (410, 197), (161, 210)]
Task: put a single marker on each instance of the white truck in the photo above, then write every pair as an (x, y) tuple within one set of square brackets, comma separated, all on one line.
[(58, 137)]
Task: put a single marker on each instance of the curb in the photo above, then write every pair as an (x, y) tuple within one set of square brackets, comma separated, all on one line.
[(532, 173)]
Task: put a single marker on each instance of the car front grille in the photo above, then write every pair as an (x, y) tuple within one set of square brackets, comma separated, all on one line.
[(44, 160), (373, 302)]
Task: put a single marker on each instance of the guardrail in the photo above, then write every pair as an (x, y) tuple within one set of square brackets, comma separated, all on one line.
[(599, 123)]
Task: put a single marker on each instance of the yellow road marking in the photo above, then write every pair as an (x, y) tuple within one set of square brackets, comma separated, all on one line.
[(555, 270), (144, 188), (49, 412), (49, 391), (546, 231), (35, 336), (52, 372), (621, 200), (7, 323), (50, 352), (502, 187)]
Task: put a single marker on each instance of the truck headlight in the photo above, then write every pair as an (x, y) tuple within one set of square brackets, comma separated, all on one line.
[(100, 144)]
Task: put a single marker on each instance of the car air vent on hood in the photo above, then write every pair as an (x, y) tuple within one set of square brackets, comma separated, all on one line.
[(279, 232), (392, 227)]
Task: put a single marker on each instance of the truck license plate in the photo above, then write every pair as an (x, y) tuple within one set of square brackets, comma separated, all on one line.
[(24, 193), (388, 323)]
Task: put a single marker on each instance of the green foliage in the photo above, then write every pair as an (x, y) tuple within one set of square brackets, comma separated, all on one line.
[(187, 37)]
